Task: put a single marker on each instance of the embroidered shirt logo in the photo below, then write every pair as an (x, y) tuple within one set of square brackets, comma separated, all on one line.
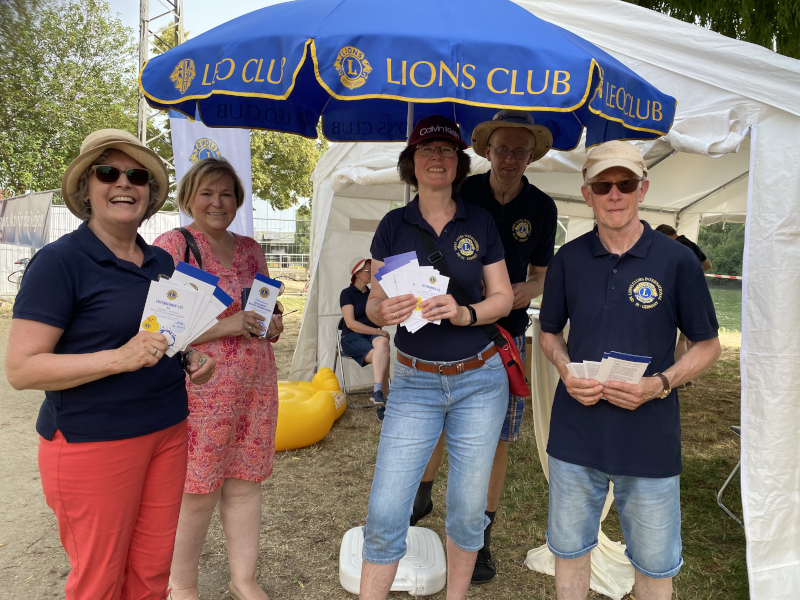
[(521, 230), (645, 292), (466, 247), (183, 74), (352, 66)]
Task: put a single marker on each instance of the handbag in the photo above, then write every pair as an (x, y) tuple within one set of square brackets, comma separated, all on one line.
[(509, 353), (191, 247)]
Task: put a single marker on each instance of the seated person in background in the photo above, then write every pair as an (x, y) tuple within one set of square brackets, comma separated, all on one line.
[(362, 340)]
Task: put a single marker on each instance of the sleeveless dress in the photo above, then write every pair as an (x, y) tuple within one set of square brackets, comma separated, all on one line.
[(232, 418)]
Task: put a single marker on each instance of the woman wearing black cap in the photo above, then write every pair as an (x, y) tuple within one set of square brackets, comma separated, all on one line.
[(448, 376)]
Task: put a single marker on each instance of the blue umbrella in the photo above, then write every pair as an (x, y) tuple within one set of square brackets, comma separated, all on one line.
[(358, 64)]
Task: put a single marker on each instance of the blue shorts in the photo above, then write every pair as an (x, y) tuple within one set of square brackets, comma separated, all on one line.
[(357, 346), (469, 407), (649, 512), (516, 404)]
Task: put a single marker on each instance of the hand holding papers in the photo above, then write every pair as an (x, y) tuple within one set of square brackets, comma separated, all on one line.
[(401, 275), (261, 300), (615, 366), (183, 307)]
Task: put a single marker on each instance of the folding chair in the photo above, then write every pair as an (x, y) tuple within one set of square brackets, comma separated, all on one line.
[(737, 430), (339, 355)]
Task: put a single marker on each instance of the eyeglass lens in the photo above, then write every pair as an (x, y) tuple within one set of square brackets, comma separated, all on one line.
[(626, 186), (109, 174), (503, 152), (446, 151)]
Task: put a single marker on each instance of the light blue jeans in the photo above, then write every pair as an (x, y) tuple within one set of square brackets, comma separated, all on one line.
[(649, 512), (471, 408)]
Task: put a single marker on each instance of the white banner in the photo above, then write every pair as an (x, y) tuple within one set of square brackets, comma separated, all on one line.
[(24, 220), (193, 141)]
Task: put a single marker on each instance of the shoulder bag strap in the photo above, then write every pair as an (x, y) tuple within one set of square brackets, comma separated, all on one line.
[(191, 247), (440, 264)]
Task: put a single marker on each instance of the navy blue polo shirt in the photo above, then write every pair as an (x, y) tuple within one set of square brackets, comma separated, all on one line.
[(682, 239), (77, 284), (468, 242), (633, 303), (527, 227), (353, 295)]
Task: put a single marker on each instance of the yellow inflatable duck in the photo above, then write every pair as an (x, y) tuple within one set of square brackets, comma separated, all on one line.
[(307, 410)]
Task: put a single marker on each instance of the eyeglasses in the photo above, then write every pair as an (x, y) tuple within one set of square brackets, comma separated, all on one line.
[(109, 174), (504, 152), (626, 186), (428, 151)]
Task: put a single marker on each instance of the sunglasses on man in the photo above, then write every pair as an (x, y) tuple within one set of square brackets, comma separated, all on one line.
[(109, 174), (626, 186)]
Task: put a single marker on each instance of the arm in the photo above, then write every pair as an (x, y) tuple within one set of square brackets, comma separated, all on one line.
[(239, 324), (706, 264), (350, 320), (526, 291), (384, 311), (697, 360), (496, 304), (585, 391), (33, 365)]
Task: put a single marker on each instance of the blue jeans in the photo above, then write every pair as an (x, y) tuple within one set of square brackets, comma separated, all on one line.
[(471, 408), (649, 512)]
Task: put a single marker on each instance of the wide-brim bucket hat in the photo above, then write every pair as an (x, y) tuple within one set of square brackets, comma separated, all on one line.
[(543, 137), (98, 142), (356, 265)]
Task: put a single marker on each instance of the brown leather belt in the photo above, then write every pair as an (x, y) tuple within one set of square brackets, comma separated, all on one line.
[(450, 368)]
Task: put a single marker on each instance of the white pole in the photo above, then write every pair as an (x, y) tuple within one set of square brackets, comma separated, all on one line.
[(409, 129)]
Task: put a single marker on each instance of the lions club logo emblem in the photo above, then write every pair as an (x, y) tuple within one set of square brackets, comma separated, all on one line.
[(204, 148), (172, 294), (432, 280), (645, 293), (183, 74), (466, 247), (522, 230), (352, 67), (264, 292)]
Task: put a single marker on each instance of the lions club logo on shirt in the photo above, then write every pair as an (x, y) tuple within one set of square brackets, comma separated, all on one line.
[(352, 66), (264, 291), (466, 247), (644, 292), (522, 230)]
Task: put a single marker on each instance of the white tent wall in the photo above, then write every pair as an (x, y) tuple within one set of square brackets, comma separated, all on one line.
[(706, 170)]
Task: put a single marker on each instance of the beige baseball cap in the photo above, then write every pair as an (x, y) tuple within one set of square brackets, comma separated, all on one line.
[(614, 154)]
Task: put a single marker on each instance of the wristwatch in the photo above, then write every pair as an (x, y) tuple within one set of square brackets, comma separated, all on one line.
[(665, 383), (185, 358), (473, 317)]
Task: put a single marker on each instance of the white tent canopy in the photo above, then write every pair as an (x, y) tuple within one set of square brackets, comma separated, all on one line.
[(733, 151)]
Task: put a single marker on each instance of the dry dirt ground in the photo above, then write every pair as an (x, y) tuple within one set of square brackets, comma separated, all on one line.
[(313, 497)]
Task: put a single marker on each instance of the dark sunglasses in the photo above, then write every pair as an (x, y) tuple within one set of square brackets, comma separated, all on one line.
[(109, 174), (626, 186)]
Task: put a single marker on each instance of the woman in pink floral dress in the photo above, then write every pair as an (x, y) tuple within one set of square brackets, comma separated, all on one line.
[(233, 417)]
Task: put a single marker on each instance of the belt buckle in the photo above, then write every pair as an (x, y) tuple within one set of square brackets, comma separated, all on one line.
[(444, 366), (459, 367)]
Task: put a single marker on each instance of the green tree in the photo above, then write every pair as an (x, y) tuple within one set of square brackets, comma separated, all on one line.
[(723, 244), (67, 68), (774, 24)]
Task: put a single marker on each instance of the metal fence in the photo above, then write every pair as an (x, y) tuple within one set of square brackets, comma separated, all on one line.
[(285, 243)]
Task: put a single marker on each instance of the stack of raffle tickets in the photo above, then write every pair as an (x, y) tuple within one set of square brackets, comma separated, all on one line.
[(401, 275), (183, 307), (615, 366), (261, 299)]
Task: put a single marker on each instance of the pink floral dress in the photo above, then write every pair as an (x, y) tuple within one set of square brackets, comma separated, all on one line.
[(232, 418)]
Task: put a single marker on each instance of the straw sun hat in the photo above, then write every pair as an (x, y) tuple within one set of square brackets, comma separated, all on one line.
[(512, 118), (93, 146)]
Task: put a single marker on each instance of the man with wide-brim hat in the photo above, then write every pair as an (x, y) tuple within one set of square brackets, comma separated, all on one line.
[(75, 180), (526, 219)]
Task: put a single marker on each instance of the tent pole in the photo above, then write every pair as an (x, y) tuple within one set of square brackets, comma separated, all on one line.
[(409, 129)]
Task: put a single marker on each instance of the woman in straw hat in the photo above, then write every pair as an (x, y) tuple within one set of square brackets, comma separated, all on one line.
[(112, 446), (362, 340), (448, 376), (232, 420)]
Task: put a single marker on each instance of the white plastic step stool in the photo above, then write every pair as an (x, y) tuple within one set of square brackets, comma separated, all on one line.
[(421, 572)]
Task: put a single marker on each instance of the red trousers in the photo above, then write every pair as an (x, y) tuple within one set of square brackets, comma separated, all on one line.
[(117, 505)]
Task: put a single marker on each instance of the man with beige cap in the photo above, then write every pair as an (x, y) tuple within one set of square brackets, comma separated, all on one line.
[(526, 220), (623, 288)]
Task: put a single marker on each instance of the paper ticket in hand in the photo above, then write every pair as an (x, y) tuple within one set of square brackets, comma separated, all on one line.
[(427, 284), (168, 310), (263, 294)]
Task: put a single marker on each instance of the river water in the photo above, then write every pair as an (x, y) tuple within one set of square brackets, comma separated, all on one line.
[(728, 304)]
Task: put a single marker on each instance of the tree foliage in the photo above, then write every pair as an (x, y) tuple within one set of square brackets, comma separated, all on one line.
[(282, 165), (774, 24), (67, 68), (723, 244)]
